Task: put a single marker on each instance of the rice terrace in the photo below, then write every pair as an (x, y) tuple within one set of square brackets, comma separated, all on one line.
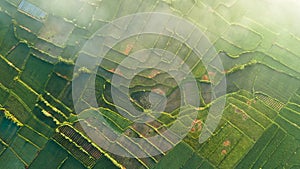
[(162, 84)]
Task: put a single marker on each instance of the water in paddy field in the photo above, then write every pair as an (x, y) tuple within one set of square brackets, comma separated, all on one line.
[(149, 84)]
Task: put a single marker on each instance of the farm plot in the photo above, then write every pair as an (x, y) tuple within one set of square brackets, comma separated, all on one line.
[(36, 73)]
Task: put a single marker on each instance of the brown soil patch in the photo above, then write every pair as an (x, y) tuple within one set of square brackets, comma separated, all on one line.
[(226, 143), (223, 152), (128, 49), (205, 77)]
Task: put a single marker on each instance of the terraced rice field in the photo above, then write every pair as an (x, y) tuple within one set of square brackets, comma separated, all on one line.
[(257, 43)]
